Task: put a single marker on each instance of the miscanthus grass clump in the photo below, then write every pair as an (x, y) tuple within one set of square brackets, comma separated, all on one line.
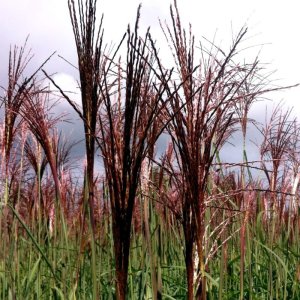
[(182, 225)]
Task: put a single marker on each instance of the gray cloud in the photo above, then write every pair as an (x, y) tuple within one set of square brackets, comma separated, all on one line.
[(50, 30)]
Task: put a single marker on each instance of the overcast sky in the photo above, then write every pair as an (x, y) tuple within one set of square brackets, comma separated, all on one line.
[(275, 24)]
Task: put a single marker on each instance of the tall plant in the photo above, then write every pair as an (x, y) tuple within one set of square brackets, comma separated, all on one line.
[(88, 38), (129, 125), (202, 113), (14, 95)]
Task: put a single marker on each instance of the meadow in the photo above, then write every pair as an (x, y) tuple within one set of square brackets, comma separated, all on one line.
[(183, 225)]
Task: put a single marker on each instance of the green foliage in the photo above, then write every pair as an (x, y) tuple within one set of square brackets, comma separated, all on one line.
[(271, 271)]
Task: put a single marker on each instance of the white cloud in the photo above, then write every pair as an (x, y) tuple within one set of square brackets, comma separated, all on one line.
[(273, 22), (69, 85)]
